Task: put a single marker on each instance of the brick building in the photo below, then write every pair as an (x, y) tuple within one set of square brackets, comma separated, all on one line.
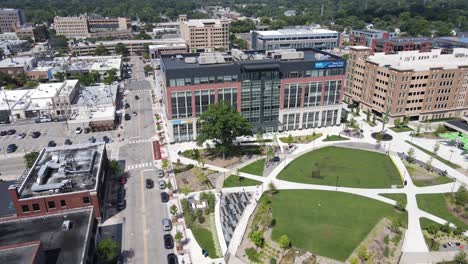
[(63, 178), (393, 45), (274, 90), (17, 65), (11, 17), (421, 85)]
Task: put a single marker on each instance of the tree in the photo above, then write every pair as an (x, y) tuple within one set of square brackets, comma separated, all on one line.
[(418, 130), (142, 35), (185, 190), (178, 237), (30, 158), (31, 84), (368, 115), (120, 49), (148, 68), (461, 257), (272, 188), (429, 164), (222, 124), (411, 155), (60, 76), (284, 242), (10, 86), (115, 167), (169, 185), (257, 238), (395, 224), (397, 122), (405, 121), (265, 21), (165, 164), (111, 76), (461, 196), (174, 210), (378, 138), (289, 140), (107, 249), (101, 50), (240, 26)]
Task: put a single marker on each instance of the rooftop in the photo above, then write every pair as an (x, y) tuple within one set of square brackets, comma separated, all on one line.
[(48, 90), (203, 22), (296, 31), (10, 98), (422, 61), (405, 40), (106, 65), (63, 169), (56, 245), (95, 96), (16, 62), (19, 253), (129, 42), (369, 31)]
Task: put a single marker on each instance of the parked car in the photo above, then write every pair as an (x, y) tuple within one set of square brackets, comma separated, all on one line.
[(43, 120), (105, 139), (3, 133), (134, 113), (137, 97), (275, 159), (21, 135), (164, 197), (11, 148), (162, 184), (91, 139), (78, 130), (149, 184), (160, 173), (68, 142), (87, 130), (51, 144), (127, 117), (121, 204), (122, 180), (35, 134), (168, 241), (167, 224), (121, 192), (172, 259), (127, 105), (11, 132)]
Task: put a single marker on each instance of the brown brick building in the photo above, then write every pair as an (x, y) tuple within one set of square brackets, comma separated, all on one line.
[(63, 178), (421, 85)]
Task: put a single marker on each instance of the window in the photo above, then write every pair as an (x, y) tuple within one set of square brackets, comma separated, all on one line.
[(86, 200), (25, 208), (36, 207), (292, 95), (63, 203), (51, 204)]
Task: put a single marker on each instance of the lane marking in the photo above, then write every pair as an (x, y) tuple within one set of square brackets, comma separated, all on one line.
[(145, 239)]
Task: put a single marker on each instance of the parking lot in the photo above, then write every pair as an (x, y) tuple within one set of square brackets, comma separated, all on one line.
[(56, 131)]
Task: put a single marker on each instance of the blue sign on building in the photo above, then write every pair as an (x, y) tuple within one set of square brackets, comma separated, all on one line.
[(329, 64)]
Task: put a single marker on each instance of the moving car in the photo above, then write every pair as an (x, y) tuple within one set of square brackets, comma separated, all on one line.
[(168, 241), (162, 184), (51, 144), (172, 259), (105, 139), (127, 105), (121, 193), (134, 113), (149, 184), (78, 130), (11, 148), (21, 135), (167, 224), (164, 197), (68, 142), (11, 132), (91, 139), (35, 134)]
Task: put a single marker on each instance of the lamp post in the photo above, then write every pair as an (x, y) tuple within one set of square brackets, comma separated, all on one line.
[(451, 153)]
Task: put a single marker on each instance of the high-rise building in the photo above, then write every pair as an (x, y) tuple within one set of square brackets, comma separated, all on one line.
[(275, 90), (11, 17), (421, 85), (72, 27), (205, 34), (295, 38)]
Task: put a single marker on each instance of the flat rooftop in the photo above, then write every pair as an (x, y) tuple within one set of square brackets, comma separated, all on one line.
[(64, 169), (405, 40), (9, 98), (296, 32), (16, 62), (422, 61), (19, 253), (56, 245), (202, 22), (95, 96), (129, 42)]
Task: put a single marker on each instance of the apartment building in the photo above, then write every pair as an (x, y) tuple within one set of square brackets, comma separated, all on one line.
[(393, 45), (203, 35), (11, 17), (295, 38), (277, 90), (421, 85), (368, 37), (72, 27)]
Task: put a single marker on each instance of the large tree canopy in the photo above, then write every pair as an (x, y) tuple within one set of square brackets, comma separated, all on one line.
[(222, 124)]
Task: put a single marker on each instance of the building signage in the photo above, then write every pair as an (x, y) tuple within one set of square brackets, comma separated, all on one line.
[(329, 64)]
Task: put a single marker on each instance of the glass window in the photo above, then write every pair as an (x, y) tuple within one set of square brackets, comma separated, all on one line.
[(51, 204), (25, 208), (292, 95), (86, 200), (312, 94), (36, 207), (63, 203)]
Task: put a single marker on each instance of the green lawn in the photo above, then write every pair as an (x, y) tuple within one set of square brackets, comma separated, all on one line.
[(430, 153), (415, 170), (255, 168), (329, 224), (436, 205), (236, 181), (401, 129), (354, 168), (394, 196), (335, 138), (205, 240), (302, 139)]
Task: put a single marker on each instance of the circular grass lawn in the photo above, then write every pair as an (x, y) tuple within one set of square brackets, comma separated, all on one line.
[(345, 166), (326, 223)]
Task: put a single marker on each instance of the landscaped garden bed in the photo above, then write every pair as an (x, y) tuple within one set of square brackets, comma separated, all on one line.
[(195, 179), (210, 156), (335, 138), (300, 139)]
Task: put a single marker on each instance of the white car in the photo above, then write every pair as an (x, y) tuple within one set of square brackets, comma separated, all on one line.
[(78, 130)]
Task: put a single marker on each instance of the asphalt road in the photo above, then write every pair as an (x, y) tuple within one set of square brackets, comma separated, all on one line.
[(142, 218), (11, 168)]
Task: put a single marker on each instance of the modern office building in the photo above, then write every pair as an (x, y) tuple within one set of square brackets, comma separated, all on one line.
[(72, 27), (63, 178), (274, 90), (368, 37), (393, 45), (11, 17), (92, 27), (203, 35), (421, 85), (295, 38)]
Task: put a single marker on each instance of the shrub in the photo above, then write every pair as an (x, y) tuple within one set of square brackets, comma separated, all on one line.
[(362, 253), (432, 229), (284, 242), (201, 219), (386, 240), (354, 260), (252, 254), (272, 260), (461, 196), (257, 238)]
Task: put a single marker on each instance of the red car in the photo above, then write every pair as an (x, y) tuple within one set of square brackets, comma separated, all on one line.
[(122, 180)]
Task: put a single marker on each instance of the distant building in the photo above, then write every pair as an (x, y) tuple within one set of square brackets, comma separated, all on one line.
[(296, 37), (452, 42), (38, 33), (8, 36), (155, 51), (393, 45), (11, 47), (205, 34), (11, 17), (61, 179), (92, 27), (65, 237), (368, 37), (72, 27), (421, 85), (17, 65), (277, 90)]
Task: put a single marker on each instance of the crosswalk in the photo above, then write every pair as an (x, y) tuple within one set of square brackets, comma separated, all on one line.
[(140, 90), (139, 166), (139, 141)]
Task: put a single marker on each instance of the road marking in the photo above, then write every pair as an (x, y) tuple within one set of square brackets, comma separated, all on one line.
[(145, 240), (141, 165), (139, 141)]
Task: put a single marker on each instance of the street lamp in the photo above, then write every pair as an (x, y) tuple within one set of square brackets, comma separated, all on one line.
[(451, 153)]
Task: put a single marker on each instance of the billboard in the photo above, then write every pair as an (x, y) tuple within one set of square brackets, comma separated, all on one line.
[(329, 64)]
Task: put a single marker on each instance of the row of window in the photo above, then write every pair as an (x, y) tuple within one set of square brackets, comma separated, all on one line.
[(310, 119), (51, 205), (312, 94)]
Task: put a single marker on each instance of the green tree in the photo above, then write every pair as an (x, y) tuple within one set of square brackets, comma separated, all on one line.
[(257, 238), (289, 140), (165, 164), (461, 257), (114, 167), (222, 124), (401, 204), (461, 196), (411, 155), (59, 76), (240, 26), (436, 147), (30, 158), (120, 49), (397, 122), (11, 86), (284, 242), (169, 185), (107, 249), (264, 21), (142, 35), (148, 68), (111, 76), (174, 210), (362, 253), (101, 50), (178, 237), (31, 84)]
